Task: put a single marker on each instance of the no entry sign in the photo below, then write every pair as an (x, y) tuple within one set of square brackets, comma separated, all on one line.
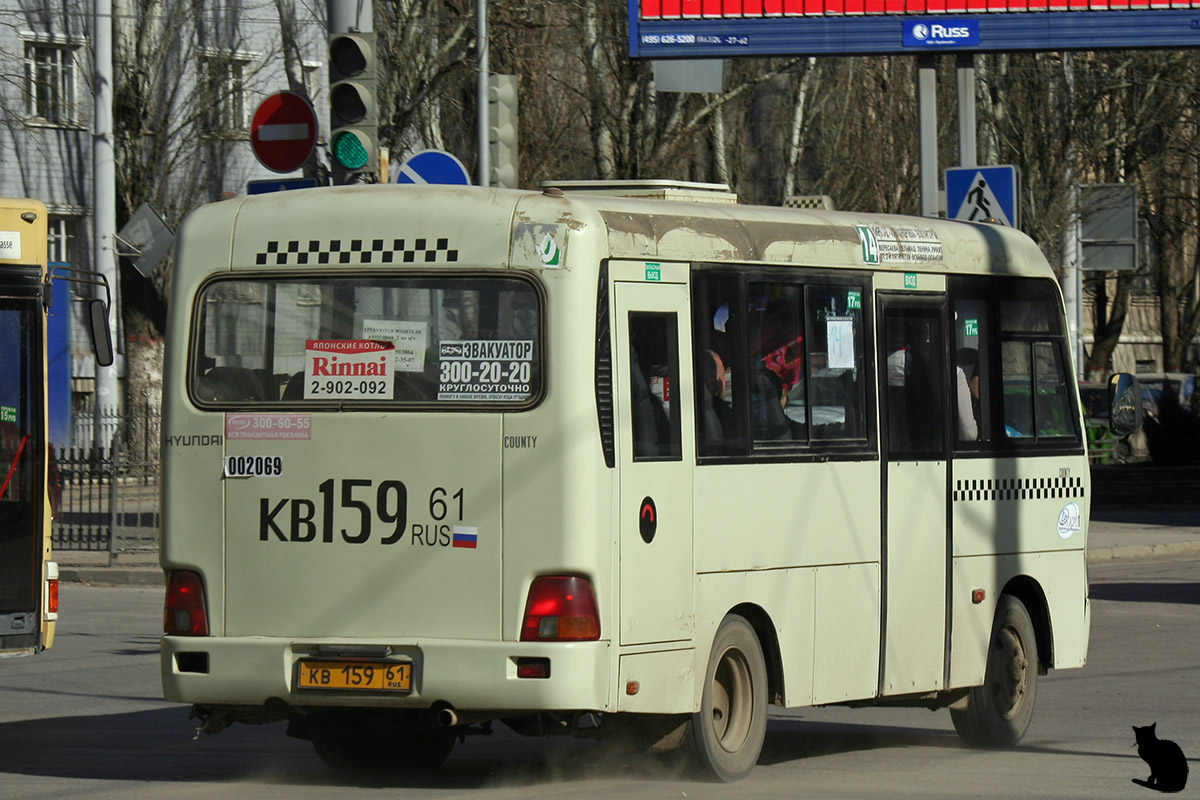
[(283, 131)]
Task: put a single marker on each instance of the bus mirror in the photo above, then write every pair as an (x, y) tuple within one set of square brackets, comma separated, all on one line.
[(101, 335), (1124, 404)]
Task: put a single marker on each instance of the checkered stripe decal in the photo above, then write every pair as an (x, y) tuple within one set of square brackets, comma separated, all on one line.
[(1017, 489), (356, 251)]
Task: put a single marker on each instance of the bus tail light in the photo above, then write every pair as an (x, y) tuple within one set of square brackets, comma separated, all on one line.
[(561, 608), (50, 604), (185, 612)]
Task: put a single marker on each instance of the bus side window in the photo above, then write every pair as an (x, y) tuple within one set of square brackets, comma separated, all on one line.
[(970, 375), (1037, 388), (654, 379), (835, 362), (716, 352)]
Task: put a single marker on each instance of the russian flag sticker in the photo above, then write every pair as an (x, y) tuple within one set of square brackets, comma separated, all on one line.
[(465, 536)]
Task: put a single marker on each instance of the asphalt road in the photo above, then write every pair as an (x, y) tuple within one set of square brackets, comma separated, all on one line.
[(86, 720)]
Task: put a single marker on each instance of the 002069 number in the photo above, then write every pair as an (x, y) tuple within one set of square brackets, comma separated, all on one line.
[(253, 466)]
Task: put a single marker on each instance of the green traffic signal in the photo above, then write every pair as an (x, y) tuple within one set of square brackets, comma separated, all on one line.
[(354, 109), (350, 149)]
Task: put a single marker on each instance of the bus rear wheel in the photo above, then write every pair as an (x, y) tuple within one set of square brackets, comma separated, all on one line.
[(999, 712), (725, 736)]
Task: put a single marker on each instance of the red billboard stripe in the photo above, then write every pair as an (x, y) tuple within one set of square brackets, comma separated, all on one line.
[(814, 8), (793, 8), (672, 9), (873, 6), (773, 8), (835, 7), (731, 8), (1098, 5), (1118, 4), (752, 8), (935, 6), (710, 8), (855, 6), (651, 9), (691, 8)]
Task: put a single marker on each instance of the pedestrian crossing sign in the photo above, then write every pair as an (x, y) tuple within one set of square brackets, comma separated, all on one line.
[(977, 194)]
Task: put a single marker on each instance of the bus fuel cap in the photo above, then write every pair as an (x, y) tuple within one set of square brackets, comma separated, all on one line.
[(648, 520)]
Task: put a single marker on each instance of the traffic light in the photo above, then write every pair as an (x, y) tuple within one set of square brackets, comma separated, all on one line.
[(353, 108), (502, 130)]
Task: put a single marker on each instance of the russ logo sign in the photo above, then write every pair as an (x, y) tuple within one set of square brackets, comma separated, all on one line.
[(941, 32)]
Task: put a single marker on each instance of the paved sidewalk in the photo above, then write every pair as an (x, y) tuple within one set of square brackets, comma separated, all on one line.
[(1128, 533), (126, 569), (1114, 535)]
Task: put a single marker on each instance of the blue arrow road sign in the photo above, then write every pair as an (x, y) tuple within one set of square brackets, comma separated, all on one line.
[(279, 185), (980, 193), (433, 166)]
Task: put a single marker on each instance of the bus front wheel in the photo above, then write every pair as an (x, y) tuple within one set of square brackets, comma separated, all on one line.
[(725, 736), (998, 713)]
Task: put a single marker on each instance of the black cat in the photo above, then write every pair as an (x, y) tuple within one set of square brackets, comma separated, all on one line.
[(1168, 767)]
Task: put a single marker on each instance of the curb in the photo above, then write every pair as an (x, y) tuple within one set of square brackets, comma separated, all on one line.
[(112, 576), (1141, 552)]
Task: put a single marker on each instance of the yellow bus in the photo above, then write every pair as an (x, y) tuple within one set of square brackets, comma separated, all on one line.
[(28, 576), (437, 457)]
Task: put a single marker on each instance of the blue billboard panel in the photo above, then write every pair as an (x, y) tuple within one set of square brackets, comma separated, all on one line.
[(663, 29)]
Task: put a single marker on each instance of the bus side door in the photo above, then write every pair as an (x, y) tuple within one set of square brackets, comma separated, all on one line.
[(653, 379), (22, 452), (914, 406)]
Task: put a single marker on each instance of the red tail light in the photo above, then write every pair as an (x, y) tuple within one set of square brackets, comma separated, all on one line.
[(184, 612), (50, 600), (561, 608)]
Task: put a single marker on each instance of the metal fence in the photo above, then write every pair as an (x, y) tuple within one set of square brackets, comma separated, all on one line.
[(108, 494)]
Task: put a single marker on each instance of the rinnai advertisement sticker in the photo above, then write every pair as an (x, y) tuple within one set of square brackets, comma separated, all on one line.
[(485, 370), (348, 369)]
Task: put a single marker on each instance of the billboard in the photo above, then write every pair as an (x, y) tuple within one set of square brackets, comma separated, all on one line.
[(663, 29)]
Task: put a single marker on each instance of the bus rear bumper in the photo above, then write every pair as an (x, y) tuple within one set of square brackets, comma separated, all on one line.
[(466, 675)]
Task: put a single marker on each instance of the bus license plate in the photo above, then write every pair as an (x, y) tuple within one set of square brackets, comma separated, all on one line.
[(378, 676)]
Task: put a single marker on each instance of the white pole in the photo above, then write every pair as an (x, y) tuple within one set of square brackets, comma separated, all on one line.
[(104, 203), (927, 133), (481, 94)]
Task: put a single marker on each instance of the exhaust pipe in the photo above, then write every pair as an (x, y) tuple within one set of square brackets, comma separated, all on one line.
[(447, 716)]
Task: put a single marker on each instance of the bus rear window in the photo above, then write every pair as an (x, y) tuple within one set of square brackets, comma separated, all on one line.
[(373, 340)]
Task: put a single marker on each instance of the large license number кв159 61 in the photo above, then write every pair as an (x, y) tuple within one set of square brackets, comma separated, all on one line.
[(374, 676)]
